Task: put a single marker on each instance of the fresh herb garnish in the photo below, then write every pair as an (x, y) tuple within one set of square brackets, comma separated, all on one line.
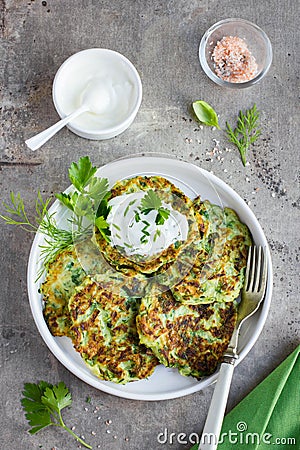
[(43, 403), (128, 245), (88, 200), (156, 234), (128, 207), (116, 226), (137, 217), (246, 131), (90, 192), (151, 202), (103, 228), (146, 234), (56, 239), (81, 174), (205, 113), (17, 210)]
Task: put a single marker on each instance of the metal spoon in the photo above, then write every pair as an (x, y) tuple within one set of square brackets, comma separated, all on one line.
[(95, 99)]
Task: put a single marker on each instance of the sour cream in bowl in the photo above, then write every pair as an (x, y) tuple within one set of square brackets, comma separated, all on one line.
[(120, 92)]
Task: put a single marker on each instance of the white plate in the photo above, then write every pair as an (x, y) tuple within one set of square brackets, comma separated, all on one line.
[(164, 383)]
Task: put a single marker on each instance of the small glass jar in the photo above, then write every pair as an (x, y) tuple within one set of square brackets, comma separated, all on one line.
[(256, 40)]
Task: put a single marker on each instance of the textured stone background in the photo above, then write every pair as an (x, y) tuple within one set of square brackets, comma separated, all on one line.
[(161, 38)]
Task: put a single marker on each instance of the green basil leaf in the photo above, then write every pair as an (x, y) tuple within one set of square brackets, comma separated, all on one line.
[(205, 113)]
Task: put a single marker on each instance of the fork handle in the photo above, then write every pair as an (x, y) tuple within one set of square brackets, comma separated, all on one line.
[(214, 420)]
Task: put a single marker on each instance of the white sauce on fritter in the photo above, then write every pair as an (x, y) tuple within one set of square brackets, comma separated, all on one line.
[(143, 237)]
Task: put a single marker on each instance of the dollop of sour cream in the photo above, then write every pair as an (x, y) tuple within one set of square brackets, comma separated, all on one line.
[(127, 232)]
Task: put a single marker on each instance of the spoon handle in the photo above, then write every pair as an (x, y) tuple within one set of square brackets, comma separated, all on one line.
[(40, 139), (213, 424)]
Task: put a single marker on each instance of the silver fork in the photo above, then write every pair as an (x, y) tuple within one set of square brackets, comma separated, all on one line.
[(252, 295)]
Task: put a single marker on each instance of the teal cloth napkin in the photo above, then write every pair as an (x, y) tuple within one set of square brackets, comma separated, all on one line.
[(269, 417)]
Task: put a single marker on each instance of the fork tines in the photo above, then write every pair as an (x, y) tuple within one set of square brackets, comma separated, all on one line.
[(255, 276)]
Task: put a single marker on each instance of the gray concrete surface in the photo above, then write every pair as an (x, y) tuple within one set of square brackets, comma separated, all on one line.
[(161, 38)]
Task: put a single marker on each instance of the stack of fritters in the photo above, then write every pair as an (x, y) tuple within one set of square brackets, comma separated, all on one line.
[(130, 317)]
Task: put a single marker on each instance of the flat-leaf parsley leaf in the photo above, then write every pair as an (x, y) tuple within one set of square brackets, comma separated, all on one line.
[(150, 202), (43, 403), (81, 173)]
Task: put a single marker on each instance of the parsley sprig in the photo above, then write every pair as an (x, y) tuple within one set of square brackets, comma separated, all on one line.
[(150, 202), (43, 404), (246, 131), (88, 200)]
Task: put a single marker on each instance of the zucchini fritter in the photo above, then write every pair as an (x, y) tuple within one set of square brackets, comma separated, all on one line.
[(65, 272), (218, 272), (168, 193), (191, 338), (104, 333)]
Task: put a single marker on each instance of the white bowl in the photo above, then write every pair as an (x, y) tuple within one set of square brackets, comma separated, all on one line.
[(164, 383), (72, 78)]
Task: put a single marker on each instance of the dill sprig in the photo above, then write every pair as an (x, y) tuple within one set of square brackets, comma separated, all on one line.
[(18, 215), (56, 239), (246, 131)]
